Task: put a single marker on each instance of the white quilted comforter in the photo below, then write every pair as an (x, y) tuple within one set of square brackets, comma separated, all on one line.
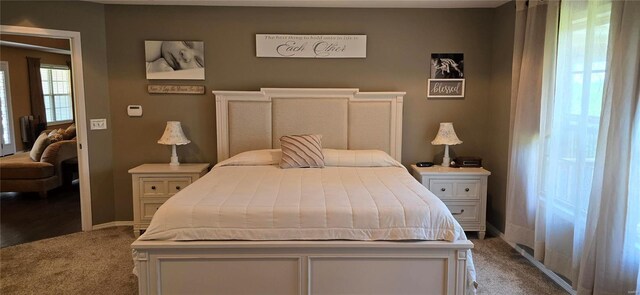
[(268, 203)]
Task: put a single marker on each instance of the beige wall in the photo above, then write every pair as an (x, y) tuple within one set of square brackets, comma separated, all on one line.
[(88, 19), (497, 130), (19, 78)]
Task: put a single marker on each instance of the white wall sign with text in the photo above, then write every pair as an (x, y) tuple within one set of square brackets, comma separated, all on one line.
[(311, 46), (442, 88)]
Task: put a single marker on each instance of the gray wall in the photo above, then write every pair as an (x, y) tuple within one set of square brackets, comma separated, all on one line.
[(497, 130), (88, 19), (400, 42)]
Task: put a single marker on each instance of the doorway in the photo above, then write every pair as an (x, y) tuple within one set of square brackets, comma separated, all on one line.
[(78, 109)]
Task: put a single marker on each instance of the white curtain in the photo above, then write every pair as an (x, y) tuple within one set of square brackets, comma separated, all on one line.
[(533, 58), (612, 247), (571, 177), (570, 124)]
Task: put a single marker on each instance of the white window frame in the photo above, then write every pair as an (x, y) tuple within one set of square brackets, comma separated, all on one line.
[(10, 148), (51, 97)]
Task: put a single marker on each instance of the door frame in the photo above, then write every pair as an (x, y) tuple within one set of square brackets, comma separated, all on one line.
[(7, 89), (80, 109)]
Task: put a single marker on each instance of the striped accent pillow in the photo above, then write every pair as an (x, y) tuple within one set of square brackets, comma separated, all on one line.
[(301, 151)]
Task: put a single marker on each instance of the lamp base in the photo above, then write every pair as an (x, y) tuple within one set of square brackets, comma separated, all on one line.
[(174, 156), (446, 160)]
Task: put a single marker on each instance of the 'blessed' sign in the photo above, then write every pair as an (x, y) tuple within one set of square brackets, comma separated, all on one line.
[(445, 88), (311, 46)]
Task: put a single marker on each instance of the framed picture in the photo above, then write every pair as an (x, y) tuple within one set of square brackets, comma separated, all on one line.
[(174, 60), (445, 88), (447, 66)]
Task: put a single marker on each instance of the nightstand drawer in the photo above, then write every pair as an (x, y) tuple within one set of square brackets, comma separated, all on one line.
[(441, 188), (177, 184), (157, 187), (467, 189), (449, 189), (152, 187), (149, 206), (464, 211)]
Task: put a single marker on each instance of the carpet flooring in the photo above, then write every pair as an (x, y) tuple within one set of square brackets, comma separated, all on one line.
[(99, 262), (502, 270)]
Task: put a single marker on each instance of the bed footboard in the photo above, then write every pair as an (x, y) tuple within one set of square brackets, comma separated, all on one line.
[(301, 267)]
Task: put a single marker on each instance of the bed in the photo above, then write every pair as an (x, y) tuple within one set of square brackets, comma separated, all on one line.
[(357, 226)]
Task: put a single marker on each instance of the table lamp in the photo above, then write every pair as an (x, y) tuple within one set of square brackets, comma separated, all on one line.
[(173, 135), (447, 136)]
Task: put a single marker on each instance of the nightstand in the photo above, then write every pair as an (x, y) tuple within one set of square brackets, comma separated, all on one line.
[(153, 184), (463, 190)]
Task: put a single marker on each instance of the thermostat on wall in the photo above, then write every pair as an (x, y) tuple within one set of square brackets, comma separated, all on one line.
[(134, 110)]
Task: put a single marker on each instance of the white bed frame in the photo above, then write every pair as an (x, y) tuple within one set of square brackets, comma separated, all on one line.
[(302, 267)]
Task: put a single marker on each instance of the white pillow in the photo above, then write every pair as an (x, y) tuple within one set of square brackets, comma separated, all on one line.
[(332, 157), (358, 158), (253, 158)]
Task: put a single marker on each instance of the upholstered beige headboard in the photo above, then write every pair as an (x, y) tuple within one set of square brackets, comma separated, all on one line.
[(346, 118)]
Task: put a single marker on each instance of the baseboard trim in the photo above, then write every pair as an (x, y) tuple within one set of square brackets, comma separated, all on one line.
[(495, 231), (553, 276), (112, 224)]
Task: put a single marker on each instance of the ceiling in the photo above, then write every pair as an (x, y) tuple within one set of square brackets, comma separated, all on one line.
[(321, 3)]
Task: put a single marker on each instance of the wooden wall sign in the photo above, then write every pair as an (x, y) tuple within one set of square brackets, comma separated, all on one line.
[(175, 89)]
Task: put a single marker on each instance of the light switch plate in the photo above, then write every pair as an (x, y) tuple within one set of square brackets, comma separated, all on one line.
[(134, 110), (98, 124)]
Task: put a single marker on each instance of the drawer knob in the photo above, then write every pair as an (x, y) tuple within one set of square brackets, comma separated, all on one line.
[(153, 187), (461, 211), (466, 189), (177, 187), (443, 189)]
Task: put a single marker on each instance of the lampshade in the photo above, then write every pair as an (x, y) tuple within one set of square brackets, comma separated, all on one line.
[(446, 135), (173, 134)]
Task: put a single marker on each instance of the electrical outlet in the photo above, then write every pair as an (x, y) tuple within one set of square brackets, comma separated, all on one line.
[(98, 124)]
